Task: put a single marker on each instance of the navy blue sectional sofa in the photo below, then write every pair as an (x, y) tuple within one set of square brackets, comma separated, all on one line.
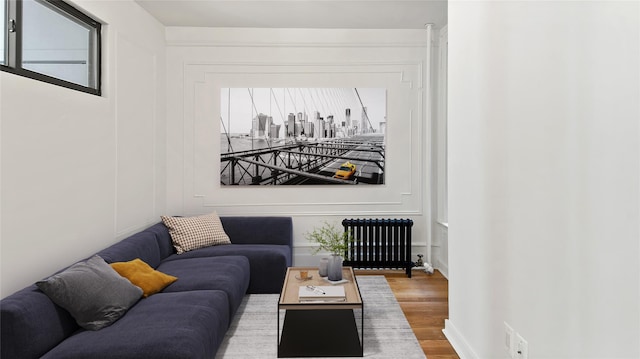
[(188, 319)]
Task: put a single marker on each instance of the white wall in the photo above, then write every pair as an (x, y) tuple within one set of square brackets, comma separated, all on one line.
[(544, 177), (202, 61), (439, 202), (79, 171)]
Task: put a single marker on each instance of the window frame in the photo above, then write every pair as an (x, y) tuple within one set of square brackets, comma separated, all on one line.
[(13, 45), (5, 33)]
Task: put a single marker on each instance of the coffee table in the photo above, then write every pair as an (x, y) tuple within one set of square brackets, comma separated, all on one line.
[(320, 329)]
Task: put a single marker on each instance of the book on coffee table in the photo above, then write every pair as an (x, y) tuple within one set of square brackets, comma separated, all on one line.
[(321, 293)]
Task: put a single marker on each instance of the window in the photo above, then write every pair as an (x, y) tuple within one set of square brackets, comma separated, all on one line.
[(51, 41)]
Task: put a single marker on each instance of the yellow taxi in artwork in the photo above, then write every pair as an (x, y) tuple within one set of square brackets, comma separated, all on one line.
[(345, 171)]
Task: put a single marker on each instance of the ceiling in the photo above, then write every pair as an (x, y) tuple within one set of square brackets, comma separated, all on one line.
[(315, 14)]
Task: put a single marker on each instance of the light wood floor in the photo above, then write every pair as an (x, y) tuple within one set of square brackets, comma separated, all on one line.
[(424, 299)]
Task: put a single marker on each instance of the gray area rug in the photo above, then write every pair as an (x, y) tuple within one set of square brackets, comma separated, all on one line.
[(387, 334)]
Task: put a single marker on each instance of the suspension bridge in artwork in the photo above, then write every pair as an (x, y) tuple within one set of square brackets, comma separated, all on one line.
[(297, 150)]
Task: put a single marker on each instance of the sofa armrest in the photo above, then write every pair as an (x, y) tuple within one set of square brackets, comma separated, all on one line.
[(259, 230)]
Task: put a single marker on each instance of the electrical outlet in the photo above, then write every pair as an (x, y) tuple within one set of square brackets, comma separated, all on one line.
[(508, 339), (521, 348)]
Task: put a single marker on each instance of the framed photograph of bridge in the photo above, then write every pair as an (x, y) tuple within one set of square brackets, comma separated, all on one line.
[(302, 136)]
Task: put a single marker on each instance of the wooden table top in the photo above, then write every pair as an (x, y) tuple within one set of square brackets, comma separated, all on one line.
[(289, 295)]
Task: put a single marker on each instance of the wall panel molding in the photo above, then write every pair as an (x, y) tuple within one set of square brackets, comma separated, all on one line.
[(206, 69), (207, 193), (186, 37), (297, 44)]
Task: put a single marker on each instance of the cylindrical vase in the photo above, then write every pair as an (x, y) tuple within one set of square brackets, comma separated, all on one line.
[(323, 267), (334, 268)]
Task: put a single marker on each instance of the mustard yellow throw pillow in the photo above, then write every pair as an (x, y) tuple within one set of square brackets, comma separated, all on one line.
[(144, 276)]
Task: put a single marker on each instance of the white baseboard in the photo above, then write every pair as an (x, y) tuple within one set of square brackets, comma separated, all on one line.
[(458, 342), (443, 268)]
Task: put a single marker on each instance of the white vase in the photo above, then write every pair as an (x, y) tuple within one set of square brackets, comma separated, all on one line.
[(334, 267), (322, 268)]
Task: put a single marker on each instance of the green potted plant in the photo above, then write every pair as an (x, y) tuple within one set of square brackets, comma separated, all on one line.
[(334, 240)]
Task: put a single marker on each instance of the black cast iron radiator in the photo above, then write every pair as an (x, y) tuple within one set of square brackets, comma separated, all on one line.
[(379, 243)]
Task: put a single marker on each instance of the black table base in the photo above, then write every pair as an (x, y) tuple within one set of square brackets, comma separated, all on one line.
[(320, 333)]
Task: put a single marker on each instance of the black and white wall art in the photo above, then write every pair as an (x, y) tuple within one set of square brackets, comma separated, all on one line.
[(302, 136)]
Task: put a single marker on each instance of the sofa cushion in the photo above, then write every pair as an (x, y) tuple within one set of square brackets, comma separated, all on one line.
[(189, 233), (268, 262), (31, 324), (241, 230), (94, 293), (259, 230), (163, 238), (229, 274), (166, 325), (141, 245), (142, 275)]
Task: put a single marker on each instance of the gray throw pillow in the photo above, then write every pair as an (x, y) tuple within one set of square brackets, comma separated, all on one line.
[(92, 292)]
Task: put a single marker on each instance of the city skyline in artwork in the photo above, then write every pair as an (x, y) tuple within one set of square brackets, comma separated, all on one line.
[(340, 124)]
